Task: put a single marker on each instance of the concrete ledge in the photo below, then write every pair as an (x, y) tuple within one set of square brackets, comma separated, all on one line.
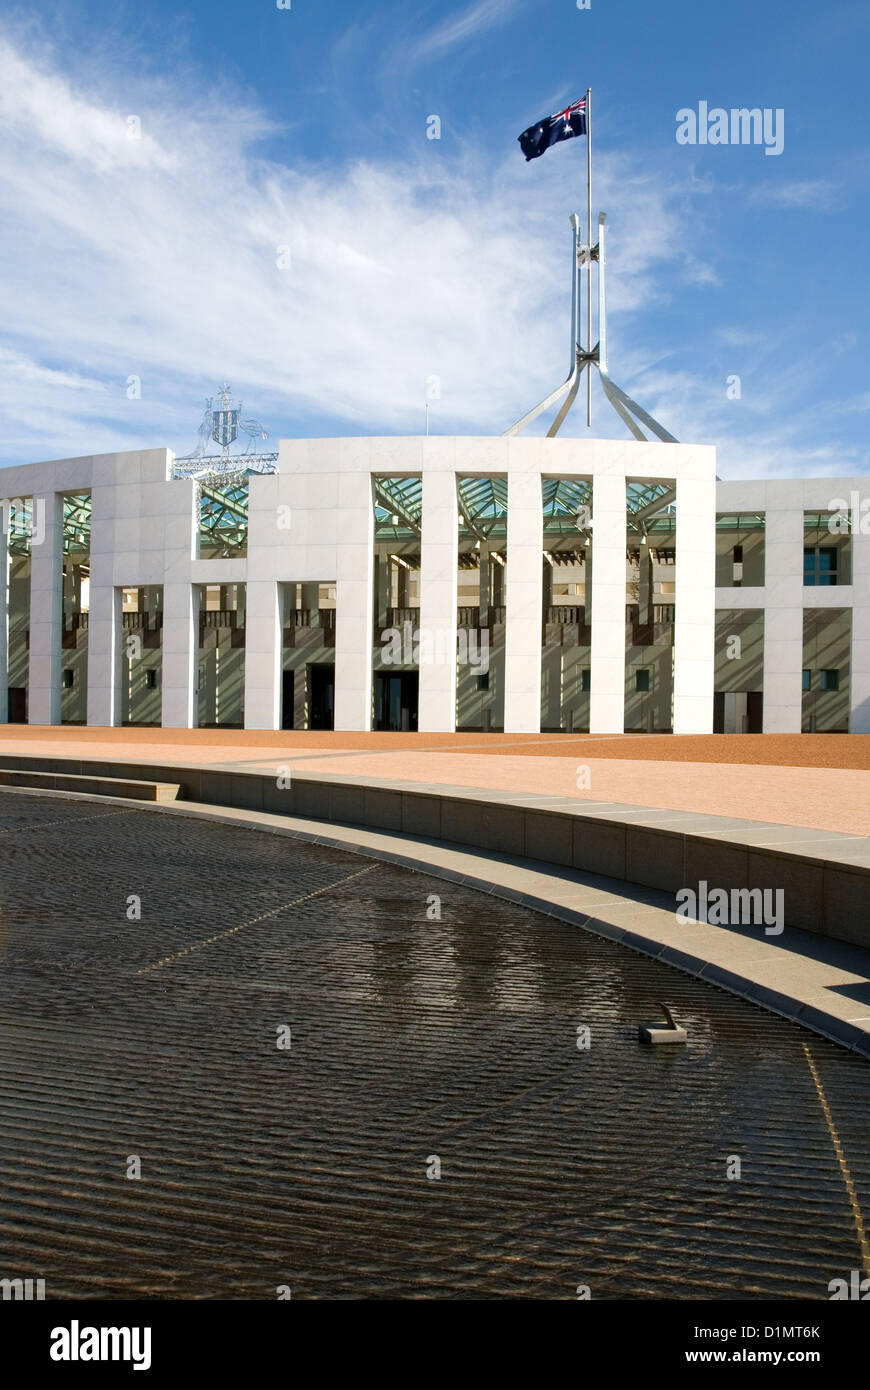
[(94, 785), (811, 980)]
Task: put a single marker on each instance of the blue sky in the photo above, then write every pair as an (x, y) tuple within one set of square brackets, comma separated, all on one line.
[(280, 220)]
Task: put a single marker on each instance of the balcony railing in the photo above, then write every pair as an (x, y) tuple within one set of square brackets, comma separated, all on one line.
[(221, 617), (142, 622), (470, 617), (311, 619)]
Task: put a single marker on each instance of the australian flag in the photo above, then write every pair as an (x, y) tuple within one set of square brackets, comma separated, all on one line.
[(563, 126)]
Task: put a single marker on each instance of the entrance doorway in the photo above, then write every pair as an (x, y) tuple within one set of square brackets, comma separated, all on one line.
[(739, 712), (321, 687), (396, 697), (17, 704)]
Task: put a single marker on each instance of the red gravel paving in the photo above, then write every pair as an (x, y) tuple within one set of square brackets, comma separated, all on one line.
[(773, 750)]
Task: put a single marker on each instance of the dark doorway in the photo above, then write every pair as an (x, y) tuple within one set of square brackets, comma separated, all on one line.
[(17, 704), (287, 698), (321, 686), (754, 711), (396, 696), (748, 723)]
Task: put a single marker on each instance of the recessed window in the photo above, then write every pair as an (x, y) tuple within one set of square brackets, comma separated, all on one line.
[(807, 680), (68, 679), (585, 679), (150, 680), (641, 680), (829, 680), (483, 682), (820, 565)]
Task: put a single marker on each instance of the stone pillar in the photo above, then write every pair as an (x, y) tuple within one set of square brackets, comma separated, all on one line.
[(354, 602), (695, 607), (485, 584), (107, 656), (46, 610), (496, 576), (403, 587), (180, 655), (860, 687), (525, 540), (607, 609), (263, 647), (438, 578), (646, 586), (4, 617), (310, 600), (547, 581), (384, 576), (783, 618)]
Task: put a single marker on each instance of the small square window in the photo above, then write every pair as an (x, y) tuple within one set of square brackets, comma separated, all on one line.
[(483, 682), (820, 566), (807, 680), (641, 679), (585, 679), (829, 680), (68, 679), (150, 680)]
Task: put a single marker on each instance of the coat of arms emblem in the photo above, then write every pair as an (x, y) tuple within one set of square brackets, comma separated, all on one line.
[(225, 420)]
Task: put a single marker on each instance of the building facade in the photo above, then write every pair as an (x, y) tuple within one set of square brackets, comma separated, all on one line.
[(435, 584)]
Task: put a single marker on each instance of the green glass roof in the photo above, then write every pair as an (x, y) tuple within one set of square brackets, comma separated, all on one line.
[(740, 521), (76, 525), (398, 504), (482, 507), (223, 514), (567, 509)]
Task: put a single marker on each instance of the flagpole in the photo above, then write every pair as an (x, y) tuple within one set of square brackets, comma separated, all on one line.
[(589, 251)]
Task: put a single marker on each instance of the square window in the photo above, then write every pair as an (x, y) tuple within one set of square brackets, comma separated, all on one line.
[(150, 680), (829, 680), (641, 679), (68, 679), (585, 679), (806, 680), (820, 566), (483, 682)]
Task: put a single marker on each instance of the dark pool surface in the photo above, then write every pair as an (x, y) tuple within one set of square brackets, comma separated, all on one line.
[(411, 1039)]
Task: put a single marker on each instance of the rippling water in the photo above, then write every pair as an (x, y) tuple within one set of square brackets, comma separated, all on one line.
[(412, 1040)]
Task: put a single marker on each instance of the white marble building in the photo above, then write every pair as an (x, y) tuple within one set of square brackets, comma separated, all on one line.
[(595, 570)]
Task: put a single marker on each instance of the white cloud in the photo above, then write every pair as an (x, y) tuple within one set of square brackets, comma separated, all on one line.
[(461, 28), (159, 258), (822, 195), (39, 112)]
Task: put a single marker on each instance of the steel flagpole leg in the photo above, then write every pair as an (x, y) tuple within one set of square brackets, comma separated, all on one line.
[(589, 248)]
